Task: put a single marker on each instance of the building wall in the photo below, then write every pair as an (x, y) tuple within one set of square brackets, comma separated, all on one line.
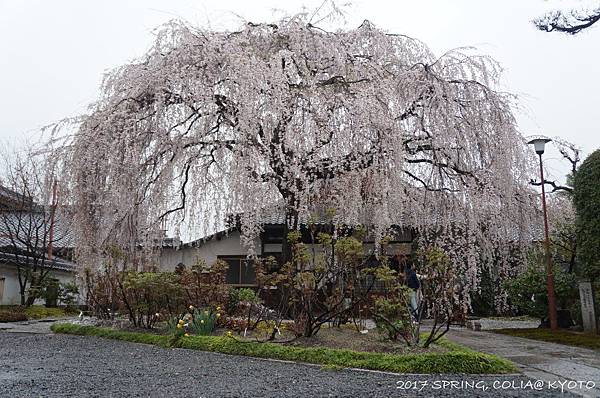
[(231, 245), (11, 293), (208, 251)]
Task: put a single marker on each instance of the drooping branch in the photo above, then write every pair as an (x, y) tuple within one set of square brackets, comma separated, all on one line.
[(570, 22)]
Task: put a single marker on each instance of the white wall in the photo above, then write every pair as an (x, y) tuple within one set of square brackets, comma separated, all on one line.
[(231, 245), (11, 294), (227, 245)]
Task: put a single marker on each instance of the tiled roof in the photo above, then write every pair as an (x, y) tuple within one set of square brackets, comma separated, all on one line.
[(56, 263), (26, 224), (10, 198), (275, 215)]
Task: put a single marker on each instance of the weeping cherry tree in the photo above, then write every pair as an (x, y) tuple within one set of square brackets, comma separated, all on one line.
[(210, 123)]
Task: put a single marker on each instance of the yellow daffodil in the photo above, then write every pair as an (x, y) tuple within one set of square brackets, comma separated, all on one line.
[(201, 320), (218, 308), (218, 315), (187, 335), (181, 322), (229, 333), (179, 326)]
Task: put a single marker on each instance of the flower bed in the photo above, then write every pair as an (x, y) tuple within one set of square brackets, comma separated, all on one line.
[(456, 360)]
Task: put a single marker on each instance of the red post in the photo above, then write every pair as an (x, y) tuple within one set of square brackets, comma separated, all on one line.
[(549, 270)]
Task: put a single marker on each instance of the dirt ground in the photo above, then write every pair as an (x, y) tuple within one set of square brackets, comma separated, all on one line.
[(345, 337)]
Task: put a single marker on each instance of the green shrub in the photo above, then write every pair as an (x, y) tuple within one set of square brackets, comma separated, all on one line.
[(440, 290), (331, 283), (233, 300), (528, 294), (586, 198), (460, 361), (148, 297), (204, 284), (53, 292), (392, 315), (147, 294), (67, 294), (247, 295)]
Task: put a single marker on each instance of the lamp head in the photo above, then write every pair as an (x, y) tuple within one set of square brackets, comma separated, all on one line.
[(539, 144)]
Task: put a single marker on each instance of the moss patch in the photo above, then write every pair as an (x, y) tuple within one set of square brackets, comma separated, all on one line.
[(458, 361), (565, 337), (39, 312), (33, 312)]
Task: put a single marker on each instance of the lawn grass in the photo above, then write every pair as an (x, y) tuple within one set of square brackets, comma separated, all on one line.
[(456, 361), (565, 337)]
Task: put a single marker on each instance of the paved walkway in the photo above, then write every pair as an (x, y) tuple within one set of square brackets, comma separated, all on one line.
[(537, 359), (34, 326)]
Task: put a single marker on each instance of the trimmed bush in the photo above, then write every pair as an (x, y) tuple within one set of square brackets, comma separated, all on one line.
[(460, 361)]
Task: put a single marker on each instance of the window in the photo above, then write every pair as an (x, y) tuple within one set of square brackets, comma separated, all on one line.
[(272, 234), (2, 288), (241, 271)]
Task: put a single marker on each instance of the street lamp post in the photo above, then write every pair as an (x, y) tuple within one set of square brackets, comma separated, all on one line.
[(539, 145)]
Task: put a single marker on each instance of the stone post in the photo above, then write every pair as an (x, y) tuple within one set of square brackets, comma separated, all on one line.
[(588, 314)]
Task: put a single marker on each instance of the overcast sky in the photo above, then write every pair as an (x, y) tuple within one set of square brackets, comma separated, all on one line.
[(53, 53)]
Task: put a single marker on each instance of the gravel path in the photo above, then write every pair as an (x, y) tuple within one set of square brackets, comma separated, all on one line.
[(45, 365)]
